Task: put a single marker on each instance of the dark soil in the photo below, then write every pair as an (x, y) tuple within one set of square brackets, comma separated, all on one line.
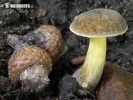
[(61, 13)]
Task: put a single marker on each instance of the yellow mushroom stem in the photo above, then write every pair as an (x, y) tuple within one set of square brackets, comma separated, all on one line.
[(89, 74)]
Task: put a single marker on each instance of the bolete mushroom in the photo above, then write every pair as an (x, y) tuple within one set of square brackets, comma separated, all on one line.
[(96, 24)]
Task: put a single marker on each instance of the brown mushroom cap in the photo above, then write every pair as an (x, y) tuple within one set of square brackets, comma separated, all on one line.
[(99, 23)]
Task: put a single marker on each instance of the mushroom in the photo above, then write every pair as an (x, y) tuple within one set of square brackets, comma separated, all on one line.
[(96, 24)]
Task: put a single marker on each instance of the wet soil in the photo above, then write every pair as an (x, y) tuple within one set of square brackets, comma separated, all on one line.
[(61, 13)]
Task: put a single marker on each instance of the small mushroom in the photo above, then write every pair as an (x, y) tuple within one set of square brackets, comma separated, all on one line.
[(31, 65), (96, 24)]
